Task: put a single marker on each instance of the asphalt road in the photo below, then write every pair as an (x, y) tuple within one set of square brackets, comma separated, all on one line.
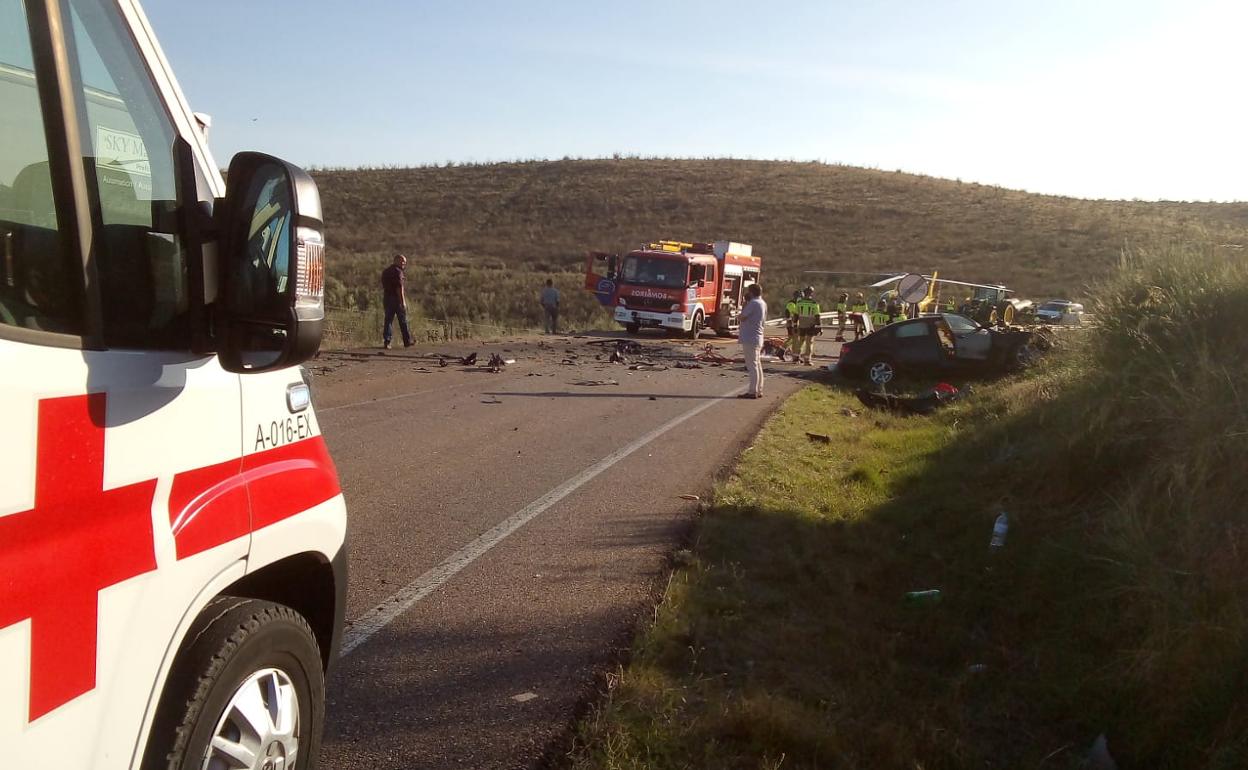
[(507, 530)]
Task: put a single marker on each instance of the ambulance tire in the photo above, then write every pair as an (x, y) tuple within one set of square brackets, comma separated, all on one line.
[(233, 640), (632, 328)]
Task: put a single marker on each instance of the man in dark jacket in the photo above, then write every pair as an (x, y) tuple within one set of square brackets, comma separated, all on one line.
[(394, 300)]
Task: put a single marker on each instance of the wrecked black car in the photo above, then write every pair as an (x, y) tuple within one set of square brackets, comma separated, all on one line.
[(935, 345)]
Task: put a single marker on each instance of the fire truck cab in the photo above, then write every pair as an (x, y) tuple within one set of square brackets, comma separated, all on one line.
[(172, 531), (675, 285)]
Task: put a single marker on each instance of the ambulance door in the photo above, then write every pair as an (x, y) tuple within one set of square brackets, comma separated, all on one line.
[(120, 450)]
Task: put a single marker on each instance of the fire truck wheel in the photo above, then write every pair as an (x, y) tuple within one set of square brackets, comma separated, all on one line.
[(246, 691), (632, 328), (695, 330)]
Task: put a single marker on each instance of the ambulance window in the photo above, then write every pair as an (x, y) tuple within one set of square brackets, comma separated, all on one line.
[(127, 137), (39, 276)]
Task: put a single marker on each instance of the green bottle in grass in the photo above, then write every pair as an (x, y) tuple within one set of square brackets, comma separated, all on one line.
[(922, 598)]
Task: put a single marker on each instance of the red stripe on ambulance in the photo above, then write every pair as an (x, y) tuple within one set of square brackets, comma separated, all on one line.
[(208, 506)]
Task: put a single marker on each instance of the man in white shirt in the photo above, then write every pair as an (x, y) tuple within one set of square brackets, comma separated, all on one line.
[(751, 335)]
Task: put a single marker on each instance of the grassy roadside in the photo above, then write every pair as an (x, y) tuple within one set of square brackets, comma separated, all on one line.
[(785, 641), (1116, 607)]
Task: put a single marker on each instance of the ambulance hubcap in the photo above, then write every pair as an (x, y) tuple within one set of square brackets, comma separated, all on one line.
[(259, 729)]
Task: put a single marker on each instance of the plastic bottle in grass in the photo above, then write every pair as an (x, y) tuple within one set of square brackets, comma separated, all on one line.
[(999, 531), (920, 598)]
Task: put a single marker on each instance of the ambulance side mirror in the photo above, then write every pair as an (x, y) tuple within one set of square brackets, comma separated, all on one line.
[(272, 260)]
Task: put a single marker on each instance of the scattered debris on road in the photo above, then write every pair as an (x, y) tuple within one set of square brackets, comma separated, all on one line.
[(524, 697), (819, 437), (694, 498), (590, 383)]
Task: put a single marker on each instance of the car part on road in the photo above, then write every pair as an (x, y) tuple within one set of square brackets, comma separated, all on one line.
[(941, 395)]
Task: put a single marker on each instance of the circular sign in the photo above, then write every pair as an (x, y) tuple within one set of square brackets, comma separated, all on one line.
[(912, 288)]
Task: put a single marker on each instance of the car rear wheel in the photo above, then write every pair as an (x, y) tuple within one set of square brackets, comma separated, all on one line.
[(248, 691), (1021, 357), (881, 371)]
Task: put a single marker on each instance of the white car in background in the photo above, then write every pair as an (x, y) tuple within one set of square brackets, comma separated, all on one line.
[(1060, 311)]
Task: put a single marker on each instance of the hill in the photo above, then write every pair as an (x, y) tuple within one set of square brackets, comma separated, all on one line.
[(474, 228)]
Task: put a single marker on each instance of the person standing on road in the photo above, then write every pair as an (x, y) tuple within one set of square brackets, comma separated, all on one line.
[(751, 335), (808, 324), (842, 307), (550, 303), (859, 310), (394, 300), (790, 323)]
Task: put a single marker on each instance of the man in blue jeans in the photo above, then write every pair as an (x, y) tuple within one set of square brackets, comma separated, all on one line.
[(394, 300)]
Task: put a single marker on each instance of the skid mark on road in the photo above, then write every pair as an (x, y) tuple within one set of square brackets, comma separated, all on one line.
[(383, 399), (363, 628)]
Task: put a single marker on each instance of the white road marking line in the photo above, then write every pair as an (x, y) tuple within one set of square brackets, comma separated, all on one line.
[(363, 628)]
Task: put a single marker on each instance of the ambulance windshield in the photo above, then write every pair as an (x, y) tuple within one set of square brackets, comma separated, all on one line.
[(656, 271)]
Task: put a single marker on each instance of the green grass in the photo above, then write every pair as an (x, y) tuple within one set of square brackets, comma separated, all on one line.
[(483, 238), (1117, 605)]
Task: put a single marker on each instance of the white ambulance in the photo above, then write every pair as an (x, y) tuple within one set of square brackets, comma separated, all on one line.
[(172, 533)]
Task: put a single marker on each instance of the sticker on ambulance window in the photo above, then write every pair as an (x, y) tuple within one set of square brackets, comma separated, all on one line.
[(121, 150)]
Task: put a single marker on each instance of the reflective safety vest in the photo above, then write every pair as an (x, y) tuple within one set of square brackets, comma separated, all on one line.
[(841, 307), (790, 310), (807, 314), (879, 318), (859, 307)]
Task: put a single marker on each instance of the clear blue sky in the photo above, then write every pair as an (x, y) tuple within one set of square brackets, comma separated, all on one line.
[(1091, 98)]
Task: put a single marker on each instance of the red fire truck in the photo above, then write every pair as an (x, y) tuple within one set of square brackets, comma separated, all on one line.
[(675, 285)]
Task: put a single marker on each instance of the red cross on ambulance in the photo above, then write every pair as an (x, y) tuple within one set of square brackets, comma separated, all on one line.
[(78, 539)]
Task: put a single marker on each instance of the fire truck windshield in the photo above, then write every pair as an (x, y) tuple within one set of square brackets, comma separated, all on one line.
[(656, 271)]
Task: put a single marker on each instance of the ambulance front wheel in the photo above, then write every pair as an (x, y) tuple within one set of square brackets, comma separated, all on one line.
[(632, 328), (248, 691)]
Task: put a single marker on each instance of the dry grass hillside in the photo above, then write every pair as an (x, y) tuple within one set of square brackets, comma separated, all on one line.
[(467, 226)]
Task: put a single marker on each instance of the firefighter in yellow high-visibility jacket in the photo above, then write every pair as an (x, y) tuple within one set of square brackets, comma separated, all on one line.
[(808, 325), (858, 312), (790, 324), (842, 310)]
